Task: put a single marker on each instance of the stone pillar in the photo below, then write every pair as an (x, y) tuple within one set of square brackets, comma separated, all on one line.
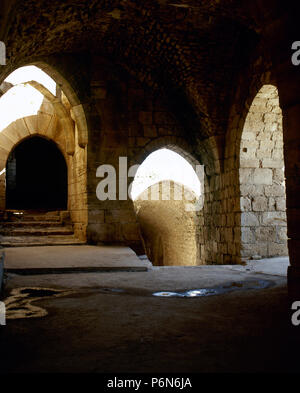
[(290, 103), (292, 173)]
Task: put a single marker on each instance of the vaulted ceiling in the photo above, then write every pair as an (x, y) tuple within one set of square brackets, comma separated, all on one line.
[(192, 49)]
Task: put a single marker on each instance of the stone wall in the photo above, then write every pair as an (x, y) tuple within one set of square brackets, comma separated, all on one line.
[(172, 235), (77, 189), (125, 120), (219, 233), (262, 185)]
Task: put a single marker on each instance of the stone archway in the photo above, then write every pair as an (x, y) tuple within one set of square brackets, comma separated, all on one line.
[(60, 118), (170, 210), (36, 176)]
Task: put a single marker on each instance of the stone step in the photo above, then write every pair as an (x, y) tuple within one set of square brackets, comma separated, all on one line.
[(28, 241), (34, 212), (35, 224), (34, 218), (29, 215), (61, 231), (36, 228)]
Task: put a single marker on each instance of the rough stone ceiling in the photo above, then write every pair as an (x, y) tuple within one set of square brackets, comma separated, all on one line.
[(189, 48)]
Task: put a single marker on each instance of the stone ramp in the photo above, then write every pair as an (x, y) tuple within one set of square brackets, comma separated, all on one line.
[(63, 259)]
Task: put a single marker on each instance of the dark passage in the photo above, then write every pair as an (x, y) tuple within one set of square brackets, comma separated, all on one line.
[(36, 176)]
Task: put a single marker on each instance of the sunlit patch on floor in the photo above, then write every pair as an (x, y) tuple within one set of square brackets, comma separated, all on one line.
[(234, 286), (19, 303)]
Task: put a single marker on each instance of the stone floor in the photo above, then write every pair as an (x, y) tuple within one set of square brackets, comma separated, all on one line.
[(275, 266), (84, 256), (111, 322), (114, 256)]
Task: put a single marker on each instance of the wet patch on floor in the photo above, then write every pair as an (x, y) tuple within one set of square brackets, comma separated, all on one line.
[(190, 293), (19, 302), (234, 286), (112, 290)]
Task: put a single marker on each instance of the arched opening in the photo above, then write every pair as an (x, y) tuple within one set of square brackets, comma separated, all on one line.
[(168, 199), (36, 101), (262, 182), (36, 176)]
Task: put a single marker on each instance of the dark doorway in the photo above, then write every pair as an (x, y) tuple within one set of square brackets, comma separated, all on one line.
[(36, 176)]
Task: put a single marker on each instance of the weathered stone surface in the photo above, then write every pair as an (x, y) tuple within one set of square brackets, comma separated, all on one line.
[(260, 204), (185, 84), (169, 231), (249, 220), (261, 178)]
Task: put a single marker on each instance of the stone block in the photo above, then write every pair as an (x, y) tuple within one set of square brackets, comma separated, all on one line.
[(96, 216), (248, 136), (106, 233), (31, 123), (145, 118), (262, 135), (276, 190), (281, 234), (246, 175), (274, 219), (245, 204), (271, 204), (142, 141), (278, 175), (251, 190), (259, 204), (263, 153), (150, 131), (263, 176), (249, 219), (280, 204), (247, 236), (43, 122), (163, 118), (266, 144), (120, 215), (265, 234), (277, 154), (249, 153), (271, 117), (272, 163), (250, 144), (249, 163), (276, 249)]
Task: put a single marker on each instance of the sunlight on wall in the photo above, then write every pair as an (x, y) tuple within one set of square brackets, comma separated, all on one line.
[(18, 102), (23, 100), (164, 164), (30, 73)]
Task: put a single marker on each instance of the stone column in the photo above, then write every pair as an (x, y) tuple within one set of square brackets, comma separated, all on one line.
[(290, 102)]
